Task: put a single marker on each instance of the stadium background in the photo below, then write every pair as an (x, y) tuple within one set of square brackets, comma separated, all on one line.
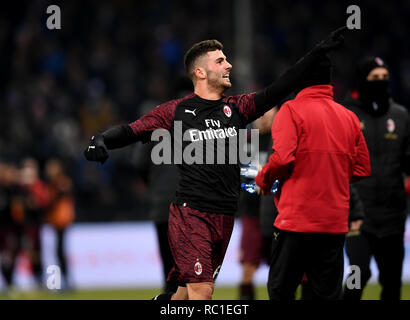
[(113, 59)]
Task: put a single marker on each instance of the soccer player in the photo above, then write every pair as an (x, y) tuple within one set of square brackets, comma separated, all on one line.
[(201, 216)]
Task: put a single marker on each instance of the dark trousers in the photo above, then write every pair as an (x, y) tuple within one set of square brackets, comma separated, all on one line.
[(166, 255), (61, 251), (388, 252), (32, 242), (10, 245), (320, 256), (18, 237)]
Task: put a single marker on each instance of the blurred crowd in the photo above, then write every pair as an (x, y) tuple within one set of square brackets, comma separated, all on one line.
[(26, 202), (113, 60)]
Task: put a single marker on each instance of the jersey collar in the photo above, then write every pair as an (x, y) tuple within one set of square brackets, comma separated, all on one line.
[(322, 90)]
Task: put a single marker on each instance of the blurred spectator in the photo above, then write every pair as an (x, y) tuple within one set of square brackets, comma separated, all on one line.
[(24, 201), (256, 217), (10, 229), (407, 186), (34, 200), (61, 210), (386, 128)]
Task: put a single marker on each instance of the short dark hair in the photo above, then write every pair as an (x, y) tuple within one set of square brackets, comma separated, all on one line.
[(198, 50)]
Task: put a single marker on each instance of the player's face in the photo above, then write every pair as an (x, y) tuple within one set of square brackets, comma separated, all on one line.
[(378, 74), (218, 70)]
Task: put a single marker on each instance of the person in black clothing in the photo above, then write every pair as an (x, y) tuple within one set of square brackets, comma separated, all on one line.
[(162, 181), (10, 224), (202, 212), (356, 215), (386, 128), (33, 197), (60, 213), (256, 216)]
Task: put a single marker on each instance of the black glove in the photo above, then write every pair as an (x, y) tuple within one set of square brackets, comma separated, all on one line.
[(291, 79), (333, 41), (96, 150)]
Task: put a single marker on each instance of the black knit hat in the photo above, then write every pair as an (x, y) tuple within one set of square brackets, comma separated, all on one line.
[(367, 65), (320, 74)]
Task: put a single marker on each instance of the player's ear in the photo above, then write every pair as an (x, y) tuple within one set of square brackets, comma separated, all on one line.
[(200, 73)]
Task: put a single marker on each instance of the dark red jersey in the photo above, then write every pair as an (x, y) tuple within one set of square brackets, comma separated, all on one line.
[(209, 181)]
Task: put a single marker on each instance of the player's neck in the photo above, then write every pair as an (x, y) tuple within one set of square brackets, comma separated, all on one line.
[(205, 92)]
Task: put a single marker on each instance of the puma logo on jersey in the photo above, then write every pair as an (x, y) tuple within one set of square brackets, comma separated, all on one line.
[(191, 111)]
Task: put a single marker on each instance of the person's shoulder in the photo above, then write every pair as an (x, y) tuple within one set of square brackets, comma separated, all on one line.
[(347, 111), (167, 109), (398, 108), (175, 102), (350, 103), (290, 106), (239, 98), (348, 108)]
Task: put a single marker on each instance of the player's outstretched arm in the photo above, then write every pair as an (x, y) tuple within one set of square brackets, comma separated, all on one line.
[(113, 138), (123, 135), (290, 79)]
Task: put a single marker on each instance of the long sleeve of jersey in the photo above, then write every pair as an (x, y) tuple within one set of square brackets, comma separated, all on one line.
[(159, 118), (140, 130), (287, 82)]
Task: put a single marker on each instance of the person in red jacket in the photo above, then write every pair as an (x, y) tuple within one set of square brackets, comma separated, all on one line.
[(318, 150)]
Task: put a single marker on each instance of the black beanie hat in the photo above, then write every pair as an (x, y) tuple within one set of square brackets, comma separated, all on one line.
[(368, 64), (320, 74)]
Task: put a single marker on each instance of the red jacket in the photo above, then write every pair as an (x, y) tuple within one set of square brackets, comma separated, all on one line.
[(318, 150)]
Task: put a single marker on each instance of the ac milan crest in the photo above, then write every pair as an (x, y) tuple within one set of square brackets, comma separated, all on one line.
[(390, 125), (227, 111), (379, 61), (198, 268)]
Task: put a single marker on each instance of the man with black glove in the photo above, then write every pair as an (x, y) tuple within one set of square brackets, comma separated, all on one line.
[(386, 128), (202, 214)]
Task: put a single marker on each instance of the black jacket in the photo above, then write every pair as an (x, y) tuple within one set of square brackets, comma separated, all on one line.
[(383, 194), (356, 211), (162, 181)]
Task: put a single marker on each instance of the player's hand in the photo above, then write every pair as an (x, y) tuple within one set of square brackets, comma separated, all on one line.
[(96, 150), (334, 41), (355, 225)]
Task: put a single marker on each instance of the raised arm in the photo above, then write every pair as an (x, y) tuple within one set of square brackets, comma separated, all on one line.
[(289, 81), (126, 134)]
